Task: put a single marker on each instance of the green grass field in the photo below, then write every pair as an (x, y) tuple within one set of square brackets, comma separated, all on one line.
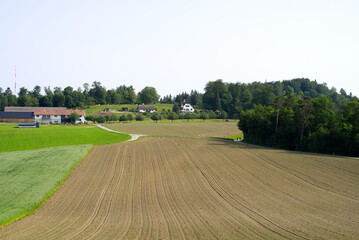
[(17, 139), (28, 178)]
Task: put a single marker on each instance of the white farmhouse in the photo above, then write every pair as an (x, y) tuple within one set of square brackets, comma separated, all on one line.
[(57, 115), (186, 108)]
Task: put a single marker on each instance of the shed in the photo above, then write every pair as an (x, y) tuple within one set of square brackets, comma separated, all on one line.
[(28, 125)]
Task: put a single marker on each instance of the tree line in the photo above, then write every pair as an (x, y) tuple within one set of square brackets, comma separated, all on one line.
[(80, 98), (229, 98), (303, 123)]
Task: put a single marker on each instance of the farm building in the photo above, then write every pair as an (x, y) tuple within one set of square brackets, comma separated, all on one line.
[(17, 117), (143, 109), (39, 115), (57, 115), (186, 108)]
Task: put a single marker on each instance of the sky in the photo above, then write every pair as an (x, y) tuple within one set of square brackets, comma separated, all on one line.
[(178, 46)]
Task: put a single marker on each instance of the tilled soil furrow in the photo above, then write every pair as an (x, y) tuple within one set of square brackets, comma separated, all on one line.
[(188, 184), (121, 220), (96, 197), (216, 197), (272, 231), (105, 200), (175, 230), (105, 228)]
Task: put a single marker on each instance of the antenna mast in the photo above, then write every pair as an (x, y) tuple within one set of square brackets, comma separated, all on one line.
[(15, 81)]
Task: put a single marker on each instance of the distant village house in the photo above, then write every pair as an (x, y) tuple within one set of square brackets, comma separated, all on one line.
[(143, 109), (186, 108)]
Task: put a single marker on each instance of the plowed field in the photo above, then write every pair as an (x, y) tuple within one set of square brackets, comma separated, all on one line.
[(173, 188), (182, 129)]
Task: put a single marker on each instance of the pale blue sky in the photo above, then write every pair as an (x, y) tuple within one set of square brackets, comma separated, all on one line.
[(178, 46)]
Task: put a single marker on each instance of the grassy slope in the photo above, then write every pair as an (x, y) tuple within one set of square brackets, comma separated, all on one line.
[(99, 108), (17, 139), (28, 178)]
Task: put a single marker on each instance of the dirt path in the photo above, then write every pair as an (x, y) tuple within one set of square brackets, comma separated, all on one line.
[(173, 188), (134, 137)]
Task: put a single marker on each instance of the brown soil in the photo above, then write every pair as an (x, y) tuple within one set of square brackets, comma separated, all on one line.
[(173, 188), (184, 129)]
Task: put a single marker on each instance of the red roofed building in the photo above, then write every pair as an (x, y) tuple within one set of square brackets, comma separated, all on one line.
[(57, 115)]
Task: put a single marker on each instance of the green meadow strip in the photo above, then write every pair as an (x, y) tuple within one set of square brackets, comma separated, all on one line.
[(29, 178), (19, 139)]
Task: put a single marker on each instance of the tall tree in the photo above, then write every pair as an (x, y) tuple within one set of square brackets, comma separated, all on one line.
[(98, 93), (36, 92), (148, 95), (58, 99), (303, 115)]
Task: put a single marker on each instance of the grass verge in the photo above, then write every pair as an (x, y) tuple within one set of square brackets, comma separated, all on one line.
[(235, 137), (28, 178)]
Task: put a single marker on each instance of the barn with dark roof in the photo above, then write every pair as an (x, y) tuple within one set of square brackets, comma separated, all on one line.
[(17, 117)]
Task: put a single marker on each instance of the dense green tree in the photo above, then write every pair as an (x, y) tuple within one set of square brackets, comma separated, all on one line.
[(167, 99), (303, 115), (7, 92), (175, 108), (113, 97), (172, 116), (100, 119), (123, 118), (129, 117), (156, 116), (148, 95), (98, 93), (23, 100), (58, 99), (128, 94), (74, 117), (139, 117), (36, 93), (90, 118), (195, 98)]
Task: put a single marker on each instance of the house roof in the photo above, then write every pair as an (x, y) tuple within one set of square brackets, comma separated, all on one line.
[(58, 112), (30, 109), (16, 115), (146, 108)]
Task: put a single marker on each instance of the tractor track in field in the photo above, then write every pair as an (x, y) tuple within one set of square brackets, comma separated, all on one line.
[(190, 188)]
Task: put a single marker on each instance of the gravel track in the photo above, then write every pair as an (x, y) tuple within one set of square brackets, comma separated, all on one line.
[(134, 137), (190, 188)]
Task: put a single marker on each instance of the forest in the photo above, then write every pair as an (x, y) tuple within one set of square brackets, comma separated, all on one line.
[(297, 114)]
